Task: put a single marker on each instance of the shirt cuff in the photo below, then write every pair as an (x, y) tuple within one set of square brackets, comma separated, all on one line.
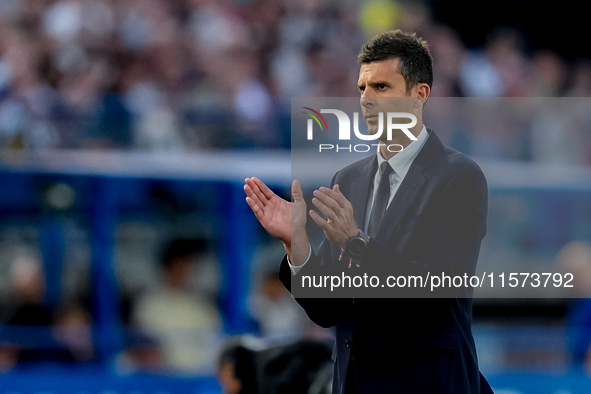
[(296, 268)]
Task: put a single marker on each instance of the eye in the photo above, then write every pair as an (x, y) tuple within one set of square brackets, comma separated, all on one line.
[(381, 86), (361, 88)]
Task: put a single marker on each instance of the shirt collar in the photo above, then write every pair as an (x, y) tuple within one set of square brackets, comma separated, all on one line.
[(402, 161)]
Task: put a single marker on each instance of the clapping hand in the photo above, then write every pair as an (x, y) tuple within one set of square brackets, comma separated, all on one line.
[(339, 225), (282, 219)]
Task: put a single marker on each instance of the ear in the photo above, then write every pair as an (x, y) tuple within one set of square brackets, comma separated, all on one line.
[(421, 91)]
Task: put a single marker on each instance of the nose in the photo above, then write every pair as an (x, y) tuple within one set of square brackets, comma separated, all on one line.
[(367, 100)]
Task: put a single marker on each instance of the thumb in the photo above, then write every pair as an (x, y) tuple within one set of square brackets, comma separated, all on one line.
[(296, 192)]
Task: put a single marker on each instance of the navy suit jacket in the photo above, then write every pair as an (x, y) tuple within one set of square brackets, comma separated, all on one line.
[(435, 223)]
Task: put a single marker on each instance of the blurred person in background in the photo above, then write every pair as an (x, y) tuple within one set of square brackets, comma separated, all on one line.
[(505, 48), (245, 366), (185, 324), (581, 80), (279, 318), (294, 368), (142, 353), (72, 329), (236, 369), (29, 286), (39, 332), (8, 356), (575, 258), (447, 51), (549, 75)]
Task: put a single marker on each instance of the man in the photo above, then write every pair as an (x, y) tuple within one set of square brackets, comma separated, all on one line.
[(183, 323), (420, 210)]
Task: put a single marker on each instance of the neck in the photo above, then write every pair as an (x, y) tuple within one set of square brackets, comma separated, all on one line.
[(398, 140)]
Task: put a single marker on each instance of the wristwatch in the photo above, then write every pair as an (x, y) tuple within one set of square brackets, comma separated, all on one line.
[(355, 246)]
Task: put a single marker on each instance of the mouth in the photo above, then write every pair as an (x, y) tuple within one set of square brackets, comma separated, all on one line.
[(371, 117)]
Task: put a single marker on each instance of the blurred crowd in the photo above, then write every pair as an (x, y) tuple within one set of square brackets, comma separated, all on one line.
[(201, 74), (173, 325)]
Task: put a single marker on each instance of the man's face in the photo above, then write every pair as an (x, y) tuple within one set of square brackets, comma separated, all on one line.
[(380, 80)]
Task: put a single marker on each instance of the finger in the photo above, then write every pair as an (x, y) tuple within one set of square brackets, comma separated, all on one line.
[(250, 193), (342, 200), (335, 194), (296, 191), (326, 211), (263, 188), (258, 212), (257, 191), (327, 200), (319, 220)]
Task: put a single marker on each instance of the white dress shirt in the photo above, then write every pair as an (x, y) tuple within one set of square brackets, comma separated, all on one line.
[(400, 163)]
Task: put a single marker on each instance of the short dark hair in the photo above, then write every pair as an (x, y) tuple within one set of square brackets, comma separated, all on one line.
[(182, 247), (416, 63)]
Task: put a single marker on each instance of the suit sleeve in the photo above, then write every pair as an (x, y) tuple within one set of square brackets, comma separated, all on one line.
[(322, 311)]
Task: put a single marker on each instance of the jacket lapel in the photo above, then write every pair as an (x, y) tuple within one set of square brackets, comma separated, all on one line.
[(411, 186)]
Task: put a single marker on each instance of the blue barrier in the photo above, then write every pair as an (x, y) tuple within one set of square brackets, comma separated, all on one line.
[(537, 383), (89, 382)]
